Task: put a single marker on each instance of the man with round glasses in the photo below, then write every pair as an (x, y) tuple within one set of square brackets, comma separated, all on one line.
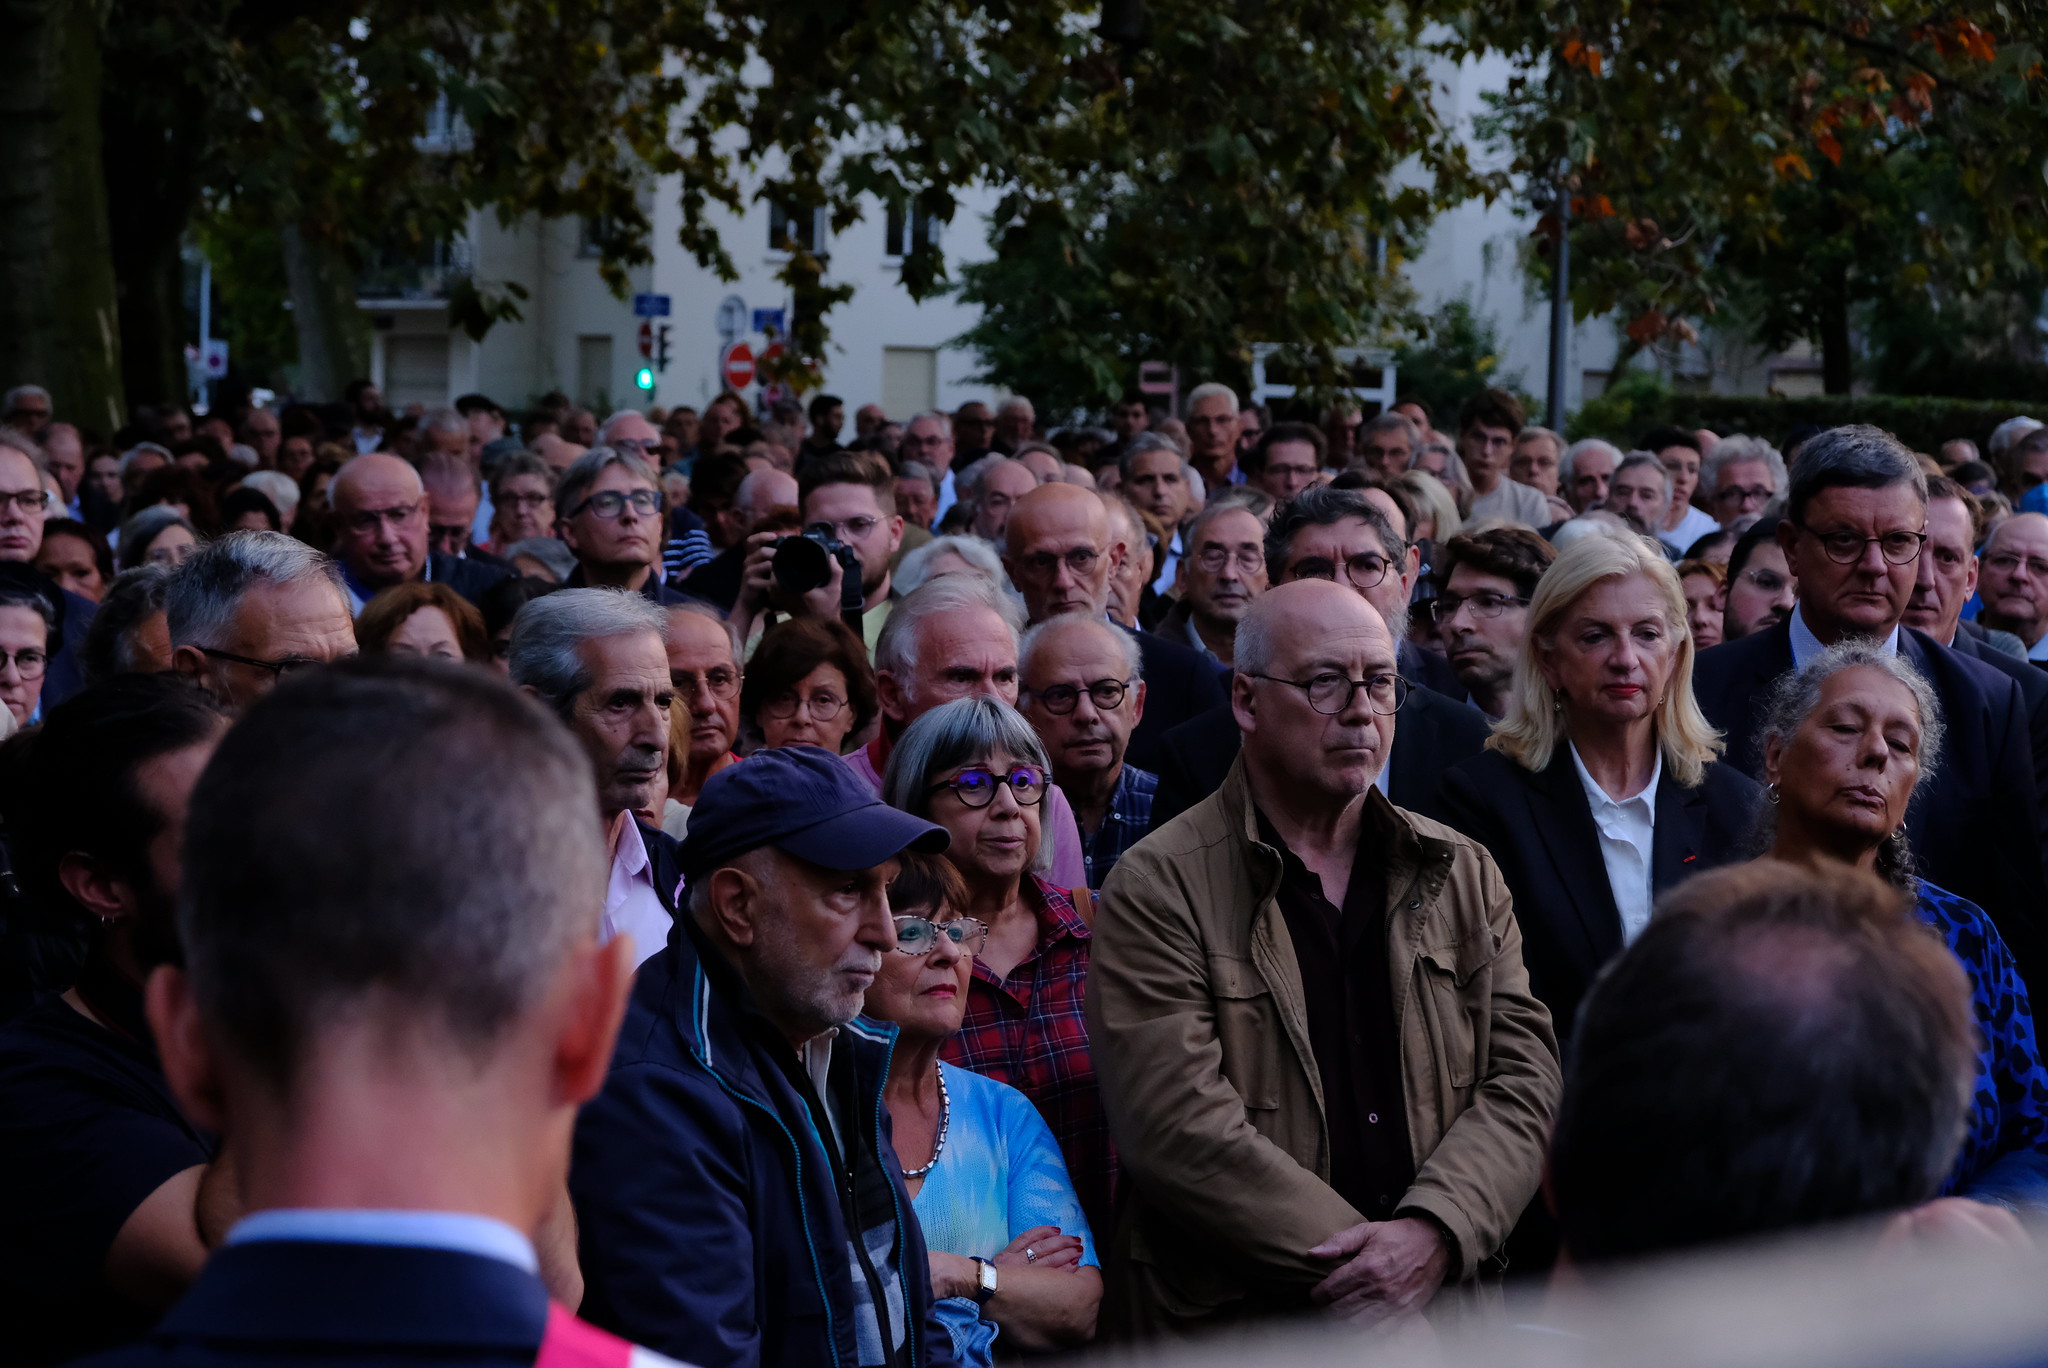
[(608, 512), (1323, 1067), (1852, 536), (1083, 692)]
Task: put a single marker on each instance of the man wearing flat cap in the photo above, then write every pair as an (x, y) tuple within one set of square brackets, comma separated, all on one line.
[(738, 1197)]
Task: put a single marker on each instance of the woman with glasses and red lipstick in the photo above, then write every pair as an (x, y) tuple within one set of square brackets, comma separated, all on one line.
[(1011, 1254), (976, 767)]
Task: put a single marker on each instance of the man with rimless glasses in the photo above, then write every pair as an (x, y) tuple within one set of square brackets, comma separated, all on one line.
[(380, 533)]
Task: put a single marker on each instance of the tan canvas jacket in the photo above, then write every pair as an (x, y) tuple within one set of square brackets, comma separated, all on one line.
[(1200, 1039)]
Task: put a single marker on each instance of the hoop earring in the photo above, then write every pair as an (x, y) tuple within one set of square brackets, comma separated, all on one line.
[(1771, 792)]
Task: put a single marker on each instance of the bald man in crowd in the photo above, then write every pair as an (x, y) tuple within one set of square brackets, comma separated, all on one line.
[(380, 533)]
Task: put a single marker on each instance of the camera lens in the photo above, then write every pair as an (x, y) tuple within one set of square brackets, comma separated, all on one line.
[(801, 565)]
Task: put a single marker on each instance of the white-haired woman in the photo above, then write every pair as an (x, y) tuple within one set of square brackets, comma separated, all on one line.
[(977, 768), (1848, 738), (1599, 788)]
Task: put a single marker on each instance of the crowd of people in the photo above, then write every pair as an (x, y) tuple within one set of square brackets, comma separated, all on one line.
[(705, 881)]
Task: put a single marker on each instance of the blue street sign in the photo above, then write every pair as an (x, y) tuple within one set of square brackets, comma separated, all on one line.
[(766, 320), (650, 306)]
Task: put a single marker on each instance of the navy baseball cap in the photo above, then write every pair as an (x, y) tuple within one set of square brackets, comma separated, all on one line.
[(806, 802)]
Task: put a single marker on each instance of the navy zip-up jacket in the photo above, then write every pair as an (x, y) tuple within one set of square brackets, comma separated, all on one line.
[(709, 1214)]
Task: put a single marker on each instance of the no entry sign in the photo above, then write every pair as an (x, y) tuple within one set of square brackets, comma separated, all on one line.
[(736, 367)]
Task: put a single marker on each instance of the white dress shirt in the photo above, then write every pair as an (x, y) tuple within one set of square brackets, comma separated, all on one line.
[(1805, 645), (631, 903), (1628, 831)]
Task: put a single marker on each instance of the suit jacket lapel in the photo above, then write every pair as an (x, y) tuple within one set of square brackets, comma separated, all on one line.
[(1558, 808), (1681, 831)]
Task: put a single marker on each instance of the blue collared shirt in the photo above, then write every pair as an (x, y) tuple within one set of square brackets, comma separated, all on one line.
[(1128, 819), (1805, 645), (461, 1231)]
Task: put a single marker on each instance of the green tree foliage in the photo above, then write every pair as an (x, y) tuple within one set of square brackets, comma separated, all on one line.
[(1795, 160), (1455, 355)]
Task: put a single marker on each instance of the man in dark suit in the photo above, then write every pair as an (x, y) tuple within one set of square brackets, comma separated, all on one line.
[(1060, 554), (1345, 535), (380, 533), (1853, 535), (394, 999)]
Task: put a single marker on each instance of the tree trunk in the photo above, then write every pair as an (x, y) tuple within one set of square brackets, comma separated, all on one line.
[(58, 316), (333, 342), (1837, 359)]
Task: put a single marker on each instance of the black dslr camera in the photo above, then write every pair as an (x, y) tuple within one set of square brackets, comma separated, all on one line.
[(804, 563)]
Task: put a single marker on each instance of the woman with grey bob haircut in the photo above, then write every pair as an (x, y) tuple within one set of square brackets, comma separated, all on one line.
[(1848, 738), (969, 733)]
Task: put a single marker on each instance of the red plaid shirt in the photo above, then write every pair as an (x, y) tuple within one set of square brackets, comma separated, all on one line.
[(1027, 1031)]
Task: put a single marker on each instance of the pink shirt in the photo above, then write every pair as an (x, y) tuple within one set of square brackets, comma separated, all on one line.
[(630, 901)]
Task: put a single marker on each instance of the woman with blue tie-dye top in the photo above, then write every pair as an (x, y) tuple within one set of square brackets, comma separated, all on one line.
[(1847, 739), (1011, 1253)]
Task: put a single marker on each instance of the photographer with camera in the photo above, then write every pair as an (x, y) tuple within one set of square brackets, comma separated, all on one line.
[(839, 564)]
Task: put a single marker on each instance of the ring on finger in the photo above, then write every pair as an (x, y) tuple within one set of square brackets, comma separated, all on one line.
[(1030, 1256)]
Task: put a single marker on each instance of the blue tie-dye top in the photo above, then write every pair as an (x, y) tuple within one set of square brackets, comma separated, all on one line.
[(2005, 1152), (1001, 1174)]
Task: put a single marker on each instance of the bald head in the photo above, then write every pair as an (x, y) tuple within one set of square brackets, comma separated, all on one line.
[(764, 491), (380, 520), (1314, 630), (1061, 552), (366, 481)]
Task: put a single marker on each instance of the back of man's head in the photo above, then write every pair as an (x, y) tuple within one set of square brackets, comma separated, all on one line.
[(1779, 1048), (391, 847)]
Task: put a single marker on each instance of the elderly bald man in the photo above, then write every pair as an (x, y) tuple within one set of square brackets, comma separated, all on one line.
[(718, 580), (1295, 928), (380, 533), (1061, 554)]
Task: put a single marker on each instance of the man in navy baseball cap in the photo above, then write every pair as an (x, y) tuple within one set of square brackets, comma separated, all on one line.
[(735, 1167)]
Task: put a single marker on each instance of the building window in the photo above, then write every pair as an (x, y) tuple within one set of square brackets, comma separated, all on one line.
[(908, 229), (592, 232), (791, 228)]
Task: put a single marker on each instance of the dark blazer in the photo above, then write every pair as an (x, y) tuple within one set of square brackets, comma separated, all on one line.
[(654, 588), (1429, 669), (1990, 638), (662, 865), (271, 1303), (2033, 684), (1539, 829), (1431, 733), (1180, 683), (708, 1209), (718, 580), (468, 578), (1975, 827)]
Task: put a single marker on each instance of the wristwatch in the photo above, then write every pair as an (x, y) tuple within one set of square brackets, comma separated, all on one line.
[(985, 1284)]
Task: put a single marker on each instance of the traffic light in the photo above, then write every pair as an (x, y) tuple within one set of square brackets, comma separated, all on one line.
[(645, 378), (661, 347)]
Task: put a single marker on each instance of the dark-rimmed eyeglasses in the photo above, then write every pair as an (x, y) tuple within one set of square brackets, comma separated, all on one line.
[(1485, 604), (1362, 571), (289, 665), (1330, 693), (1106, 694), (976, 786), (1845, 547), (29, 662), (920, 935), (609, 503), (29, 501)]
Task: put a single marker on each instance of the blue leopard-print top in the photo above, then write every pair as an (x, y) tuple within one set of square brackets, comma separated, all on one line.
[(2009, 1113)]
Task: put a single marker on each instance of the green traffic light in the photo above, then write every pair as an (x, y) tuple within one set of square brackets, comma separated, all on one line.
[(645, 379)]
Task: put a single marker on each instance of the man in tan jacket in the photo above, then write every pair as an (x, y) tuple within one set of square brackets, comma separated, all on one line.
[(1320, 1057)]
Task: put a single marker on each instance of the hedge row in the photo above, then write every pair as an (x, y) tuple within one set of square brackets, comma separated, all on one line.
[(1923, 423)]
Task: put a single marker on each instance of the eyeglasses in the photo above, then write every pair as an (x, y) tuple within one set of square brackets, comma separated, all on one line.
[(524, 500), (976, 786), (1214, 556), (451, 536), (1106, 694), (1744, 494), (367, 520), (612, 502), (290, 665), (1362, 571), (1770, 581), (1844, 547), (1330, 693), (920, 935), (1044, 565), (29, 662), (824, 705), (28, 501), (2010, 563), (721, 681), (847, 529), (1484, 604)]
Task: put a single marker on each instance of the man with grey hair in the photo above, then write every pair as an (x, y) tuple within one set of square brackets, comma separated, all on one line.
[(1328, 1080), (598, 658), (1016, 424), (380, 522), (1083, 690), (1640, 494), (608, 511), (928, 438), (1212, 433), (26, 408), (957, 638), (990, 488), (1586, 471), (1741, 476), (445, 431), (250, 608), (1387, 444), (1158, 479), (1854, 530)]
